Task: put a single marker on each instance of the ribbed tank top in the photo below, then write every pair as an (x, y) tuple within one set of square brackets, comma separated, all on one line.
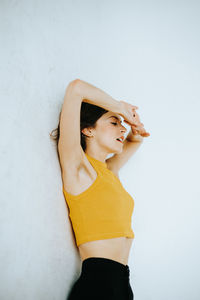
[(104, 210)]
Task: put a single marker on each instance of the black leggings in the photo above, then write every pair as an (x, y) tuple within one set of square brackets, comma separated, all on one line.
[(102, 278)]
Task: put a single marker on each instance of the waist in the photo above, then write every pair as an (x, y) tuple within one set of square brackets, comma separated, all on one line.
[(116, 249), (98, 266)]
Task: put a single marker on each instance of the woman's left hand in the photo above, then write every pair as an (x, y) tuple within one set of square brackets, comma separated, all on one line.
[(137, 127)]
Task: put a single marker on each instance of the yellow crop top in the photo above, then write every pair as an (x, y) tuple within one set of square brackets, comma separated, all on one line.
[(102, 211)]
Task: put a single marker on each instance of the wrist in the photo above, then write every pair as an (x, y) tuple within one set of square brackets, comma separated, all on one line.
[(134, 137)]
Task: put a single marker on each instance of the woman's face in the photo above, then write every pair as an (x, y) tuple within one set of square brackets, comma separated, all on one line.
[(108, 129)]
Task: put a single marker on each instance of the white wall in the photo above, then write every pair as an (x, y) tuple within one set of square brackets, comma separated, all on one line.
[(143, 52)]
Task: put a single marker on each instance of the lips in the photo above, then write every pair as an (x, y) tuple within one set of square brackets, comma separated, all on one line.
[(122, 138), (120, 141)]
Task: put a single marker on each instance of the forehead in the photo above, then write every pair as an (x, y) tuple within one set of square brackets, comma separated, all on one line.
[(109, 115)]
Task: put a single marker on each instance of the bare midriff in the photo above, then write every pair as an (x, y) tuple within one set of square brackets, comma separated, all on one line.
[(116, 249)]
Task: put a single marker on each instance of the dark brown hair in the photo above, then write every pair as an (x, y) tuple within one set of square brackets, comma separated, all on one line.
[(89, 115)]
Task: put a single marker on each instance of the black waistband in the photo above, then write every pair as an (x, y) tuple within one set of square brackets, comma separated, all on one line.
[(105, 265)]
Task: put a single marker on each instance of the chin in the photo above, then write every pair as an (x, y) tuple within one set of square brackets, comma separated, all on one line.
[(118, 151)]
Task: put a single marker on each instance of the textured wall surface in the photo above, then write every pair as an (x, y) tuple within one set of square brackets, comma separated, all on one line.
[(143, 52)]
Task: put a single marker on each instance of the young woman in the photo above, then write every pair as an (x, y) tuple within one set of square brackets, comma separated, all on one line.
[(100, 208)]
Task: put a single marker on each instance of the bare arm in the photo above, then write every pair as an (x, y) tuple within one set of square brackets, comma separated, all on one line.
[(93, 95), (69, 146)]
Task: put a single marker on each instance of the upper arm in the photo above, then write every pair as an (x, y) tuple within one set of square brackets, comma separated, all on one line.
[(69, 144)]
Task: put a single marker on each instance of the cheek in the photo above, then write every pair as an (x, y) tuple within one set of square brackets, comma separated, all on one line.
[(109, 131), (103, 134), (108, 134)]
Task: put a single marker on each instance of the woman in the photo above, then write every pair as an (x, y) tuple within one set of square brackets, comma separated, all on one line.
[(100, 208)]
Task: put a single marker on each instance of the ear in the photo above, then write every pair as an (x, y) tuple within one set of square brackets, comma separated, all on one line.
[(87, 131)]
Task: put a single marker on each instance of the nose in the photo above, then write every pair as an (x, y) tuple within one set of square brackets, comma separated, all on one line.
[(124, 128)]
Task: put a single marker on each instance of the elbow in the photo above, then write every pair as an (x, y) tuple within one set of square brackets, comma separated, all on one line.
[(74, 86), (75, 82)]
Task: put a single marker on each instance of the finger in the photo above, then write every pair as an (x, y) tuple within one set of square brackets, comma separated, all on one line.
[(127, 122), (134, 130), (145, 134)]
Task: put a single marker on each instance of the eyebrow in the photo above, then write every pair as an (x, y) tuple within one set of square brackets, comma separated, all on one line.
[(115, 118)]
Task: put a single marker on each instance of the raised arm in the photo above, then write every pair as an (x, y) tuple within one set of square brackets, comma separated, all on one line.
[(69, 145)]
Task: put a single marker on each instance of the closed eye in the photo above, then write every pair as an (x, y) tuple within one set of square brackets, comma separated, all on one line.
[(114, 123)]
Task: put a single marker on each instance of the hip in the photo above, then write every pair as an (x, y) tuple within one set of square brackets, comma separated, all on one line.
[(102, 278)]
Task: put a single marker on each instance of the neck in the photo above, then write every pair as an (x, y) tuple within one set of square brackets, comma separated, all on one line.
[(99, 156)]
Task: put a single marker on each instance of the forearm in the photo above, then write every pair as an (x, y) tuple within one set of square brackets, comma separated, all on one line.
[(134, 137), (93, 95)]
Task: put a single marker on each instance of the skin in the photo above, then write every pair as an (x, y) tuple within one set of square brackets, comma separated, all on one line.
[(101, 140)]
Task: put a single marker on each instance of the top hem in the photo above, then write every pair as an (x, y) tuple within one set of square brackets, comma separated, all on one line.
[(105, 236)]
